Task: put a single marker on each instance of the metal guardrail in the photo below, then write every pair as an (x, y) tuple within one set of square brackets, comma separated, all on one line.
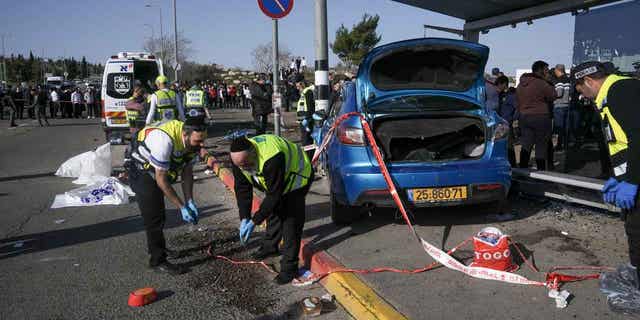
[(525, 176)]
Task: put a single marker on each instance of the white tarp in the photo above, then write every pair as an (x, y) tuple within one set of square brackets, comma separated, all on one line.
[(108, 191), (88, 167), (93, 169)]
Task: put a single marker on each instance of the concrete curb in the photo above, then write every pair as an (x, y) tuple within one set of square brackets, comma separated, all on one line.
[(360, 300)]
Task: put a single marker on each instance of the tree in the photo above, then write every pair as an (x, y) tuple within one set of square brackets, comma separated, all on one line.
[(165, 49), (262, 57), (83, 68), (352, 46)]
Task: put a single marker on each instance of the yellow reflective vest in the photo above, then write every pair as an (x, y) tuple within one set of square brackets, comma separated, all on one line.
[(297, 165), (179, 157), (614, 134), (302, 102), (194, 99), (166, 107)]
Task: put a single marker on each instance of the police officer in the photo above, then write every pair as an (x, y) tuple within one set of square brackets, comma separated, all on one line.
[(616, 98), (196, 98), (161, 152), (306, 108), (283, 171), (164, 104)]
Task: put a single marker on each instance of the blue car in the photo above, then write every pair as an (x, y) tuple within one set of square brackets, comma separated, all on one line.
[(424, 100)]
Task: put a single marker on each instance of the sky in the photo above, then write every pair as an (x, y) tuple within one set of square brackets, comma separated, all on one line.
[(226, 31)]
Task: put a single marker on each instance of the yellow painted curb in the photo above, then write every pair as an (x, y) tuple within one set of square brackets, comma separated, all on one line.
[(360, 301)]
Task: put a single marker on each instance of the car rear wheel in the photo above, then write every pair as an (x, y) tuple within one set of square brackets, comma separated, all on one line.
[(342, 214)]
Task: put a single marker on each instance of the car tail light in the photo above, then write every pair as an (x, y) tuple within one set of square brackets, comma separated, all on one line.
[(350, 135), (501, 131)]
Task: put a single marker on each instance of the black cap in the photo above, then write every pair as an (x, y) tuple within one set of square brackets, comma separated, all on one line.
[(240, 144), (299, 78), (194, 117), (584, 69)]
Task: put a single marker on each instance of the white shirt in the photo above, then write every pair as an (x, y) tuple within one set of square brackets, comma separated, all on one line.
[(76, 97), (154, 103), (88, 97), (247, 93), (303, 63), (54, 96), (160, 146)]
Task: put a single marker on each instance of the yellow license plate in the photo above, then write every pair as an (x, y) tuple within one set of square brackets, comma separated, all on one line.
[(119, 121), (438, 194)]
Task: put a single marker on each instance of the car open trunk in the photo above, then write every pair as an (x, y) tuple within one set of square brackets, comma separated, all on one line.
[(431, 138)]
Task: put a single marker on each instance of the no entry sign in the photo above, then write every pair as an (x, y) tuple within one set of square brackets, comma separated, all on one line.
[(276, 9)]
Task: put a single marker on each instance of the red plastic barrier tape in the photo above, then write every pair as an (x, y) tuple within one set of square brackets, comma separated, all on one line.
[(437, 254)]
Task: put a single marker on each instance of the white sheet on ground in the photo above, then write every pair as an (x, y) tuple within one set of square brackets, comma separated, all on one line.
[(108, 191)]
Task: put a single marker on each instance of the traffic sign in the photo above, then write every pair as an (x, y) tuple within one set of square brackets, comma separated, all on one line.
[(276, 9)]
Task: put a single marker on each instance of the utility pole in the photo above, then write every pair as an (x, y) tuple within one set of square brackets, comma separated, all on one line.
[(3, 71), (322, 57), (276, 93), (175, 36)]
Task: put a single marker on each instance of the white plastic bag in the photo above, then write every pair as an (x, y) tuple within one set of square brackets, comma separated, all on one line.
[(109, 191), (89, 167)]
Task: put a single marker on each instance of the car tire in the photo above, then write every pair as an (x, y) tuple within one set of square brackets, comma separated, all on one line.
[(342, 214)]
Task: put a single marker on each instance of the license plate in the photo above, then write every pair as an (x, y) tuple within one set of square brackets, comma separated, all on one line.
[(119, 121), (438, 194)]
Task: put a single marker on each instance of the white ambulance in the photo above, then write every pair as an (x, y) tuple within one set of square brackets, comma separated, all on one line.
[(120, 73)]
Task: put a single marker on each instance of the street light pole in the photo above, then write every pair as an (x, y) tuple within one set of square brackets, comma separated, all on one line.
[(162, 53), (153, 34), (175, 35)]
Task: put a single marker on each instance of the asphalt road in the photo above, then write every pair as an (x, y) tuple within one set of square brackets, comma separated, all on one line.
[(82, 263)]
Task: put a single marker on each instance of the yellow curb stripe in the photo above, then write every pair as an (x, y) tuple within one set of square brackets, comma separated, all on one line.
[(358, 298)]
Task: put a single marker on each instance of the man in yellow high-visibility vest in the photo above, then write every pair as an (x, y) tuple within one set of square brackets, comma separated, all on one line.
[(282, 170), (617, 99)]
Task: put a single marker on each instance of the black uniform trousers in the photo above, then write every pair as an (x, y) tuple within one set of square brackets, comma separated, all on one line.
[(150, 200), (286, 223), (632, 229)]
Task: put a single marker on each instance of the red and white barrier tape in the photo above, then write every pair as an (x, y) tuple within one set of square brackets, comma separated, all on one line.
[(552, 279)]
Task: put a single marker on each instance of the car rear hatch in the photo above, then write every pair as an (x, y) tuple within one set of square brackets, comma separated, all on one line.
[(425, 99), (423, 66)]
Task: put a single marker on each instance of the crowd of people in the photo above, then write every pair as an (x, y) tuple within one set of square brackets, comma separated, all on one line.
[(41, 103), (546, 114)]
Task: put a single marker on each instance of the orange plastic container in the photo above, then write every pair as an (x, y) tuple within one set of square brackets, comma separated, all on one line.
[(141, 297)]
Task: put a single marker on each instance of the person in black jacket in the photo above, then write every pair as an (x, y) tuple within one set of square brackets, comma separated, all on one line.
[(40, 103), (261, 98), (617, 99)]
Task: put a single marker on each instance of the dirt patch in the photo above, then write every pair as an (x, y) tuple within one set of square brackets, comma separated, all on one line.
[(247, 288)]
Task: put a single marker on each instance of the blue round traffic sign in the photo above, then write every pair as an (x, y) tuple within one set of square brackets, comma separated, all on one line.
[(276, 9)]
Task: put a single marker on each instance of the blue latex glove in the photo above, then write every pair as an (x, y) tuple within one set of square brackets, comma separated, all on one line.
[(626, 195), (194, 210), (245, 230), (242, 223), (609, 190), (187, 216)]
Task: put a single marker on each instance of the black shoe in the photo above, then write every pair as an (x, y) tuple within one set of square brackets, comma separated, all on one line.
[(284, 278), (262, 254), (174, 254), (169, 268)]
